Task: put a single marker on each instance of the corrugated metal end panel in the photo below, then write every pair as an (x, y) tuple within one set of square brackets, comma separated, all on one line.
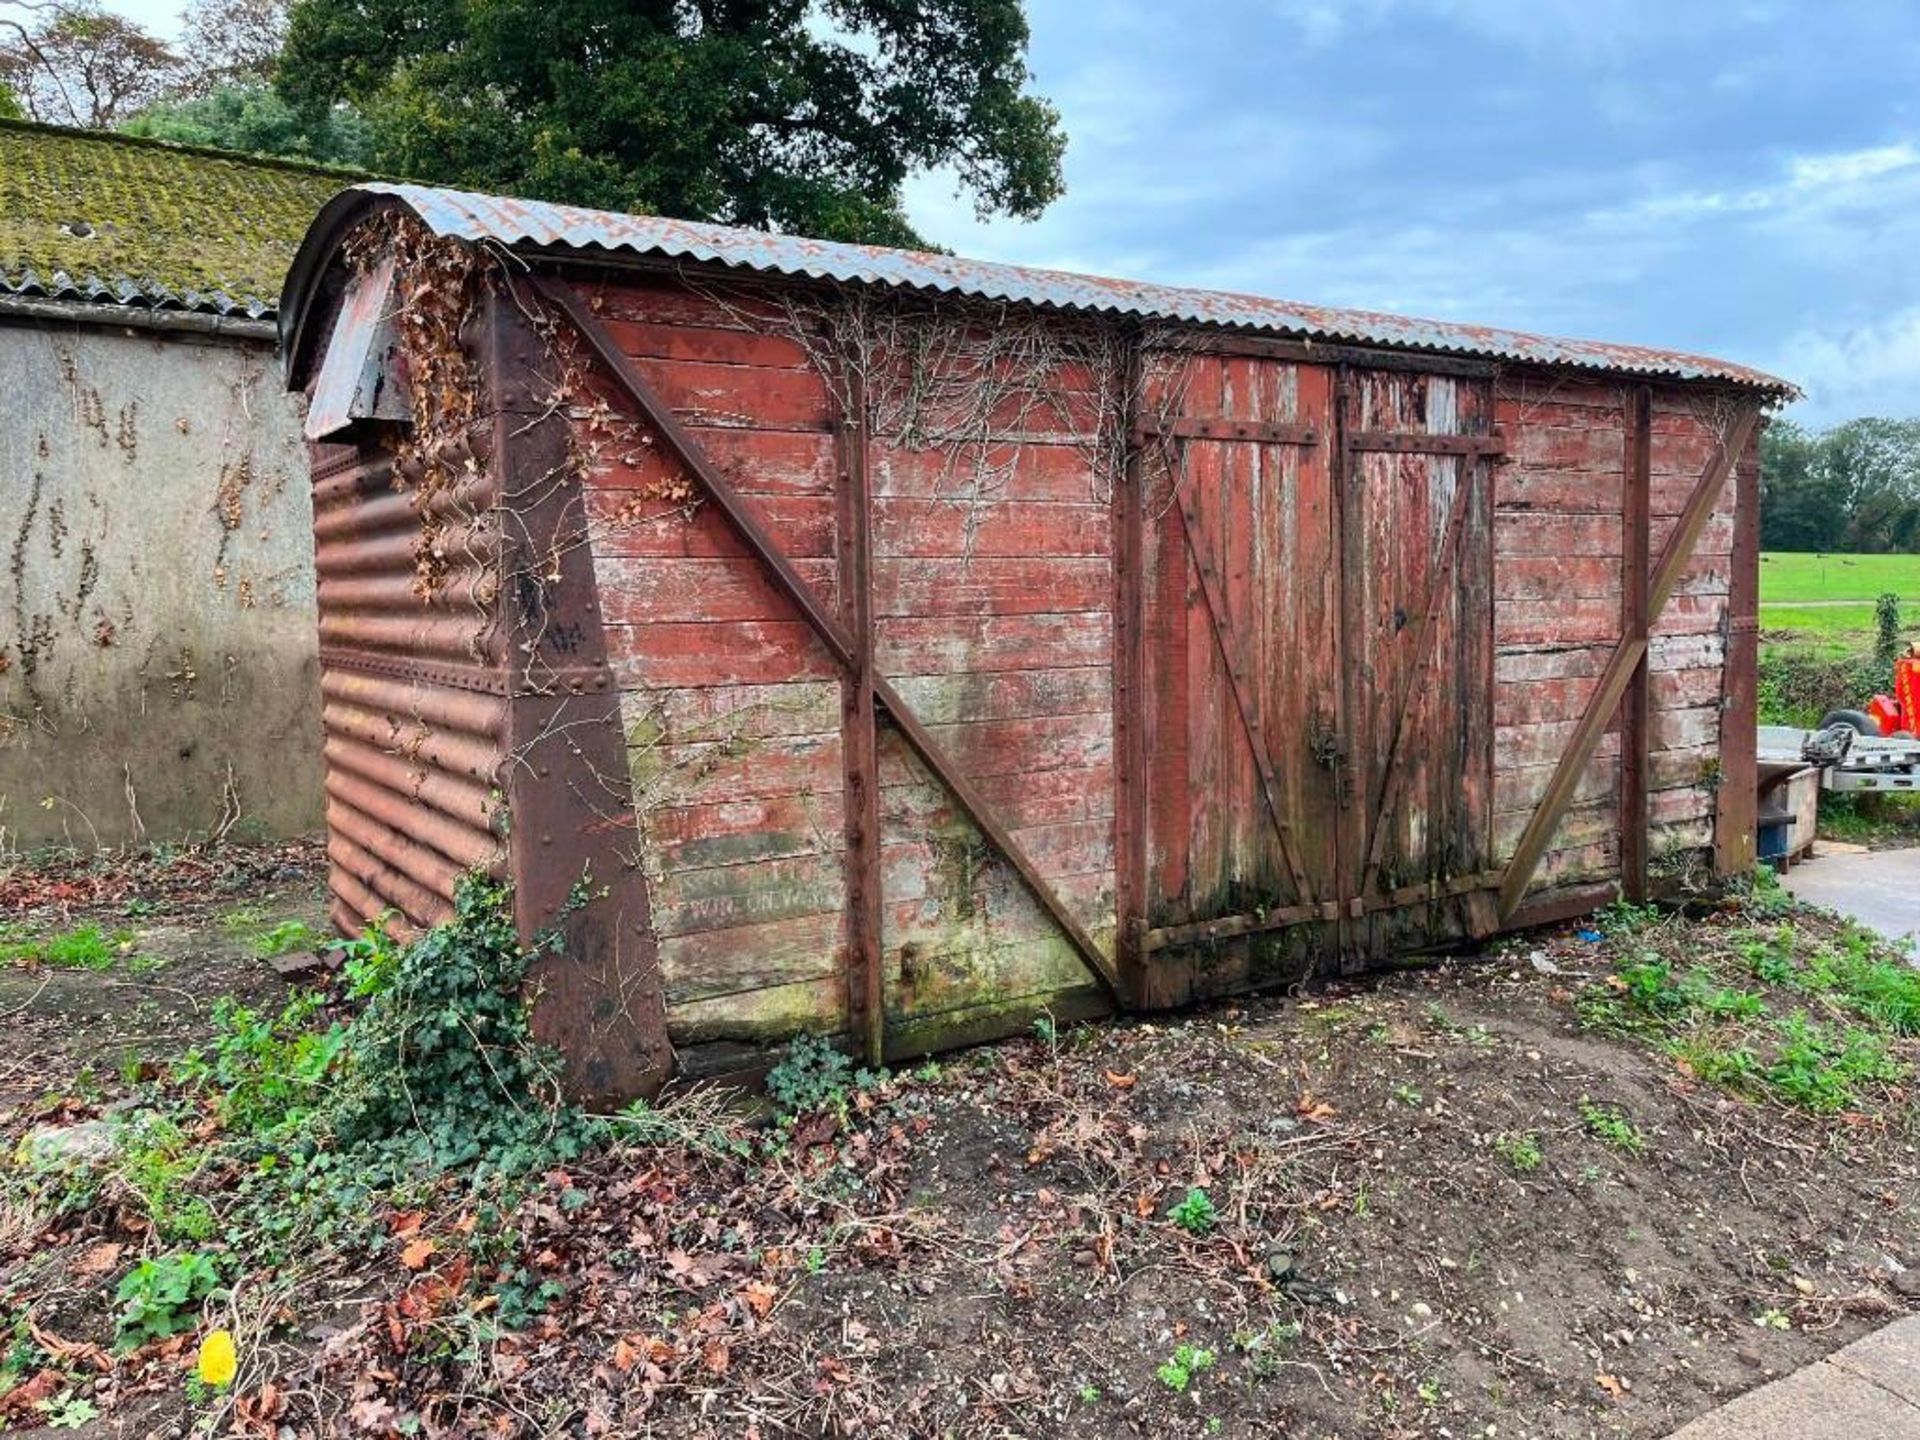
[(413, 689), (527, 223)]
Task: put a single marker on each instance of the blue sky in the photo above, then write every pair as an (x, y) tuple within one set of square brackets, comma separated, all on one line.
[(1738, 177)]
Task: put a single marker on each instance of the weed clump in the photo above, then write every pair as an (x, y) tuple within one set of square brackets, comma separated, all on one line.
[(1780, 1011)]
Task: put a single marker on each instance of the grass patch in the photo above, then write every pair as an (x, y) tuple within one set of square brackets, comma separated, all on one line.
[(266, 937), (1797, 1011), (87, 947), (1786, 577)]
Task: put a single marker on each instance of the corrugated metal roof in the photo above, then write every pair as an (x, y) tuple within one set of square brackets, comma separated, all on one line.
[(530, 223)]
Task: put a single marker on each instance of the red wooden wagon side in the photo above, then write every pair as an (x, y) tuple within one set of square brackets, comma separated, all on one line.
[(894, 646)]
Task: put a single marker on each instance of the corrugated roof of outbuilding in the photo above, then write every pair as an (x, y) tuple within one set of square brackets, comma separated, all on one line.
[(100, 218), (531, 224)]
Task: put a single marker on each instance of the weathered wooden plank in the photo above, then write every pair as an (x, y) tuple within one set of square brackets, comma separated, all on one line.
[(639, 526), (1545, 449), (1683, 689), (1687, 652), (767, 1016), (1039, 585), (907, 527), (669, 589), (1582, 825), (1542, 702), (1530, 533), (1520, 787), (1011, 747), (1532, 399), (730, 396), (1522, 745), (1570, 621), (731, 831), (726, 896), (1551, 578), (708, 964), (1023, 799), (1716, 535), (729, 712), (1678, 804), (922, 645), (1686, 729), (1693, 615), (709, 344), (1007, 694), (743, 652), (709, 772), (1048, 474), (757, 462), (1519, 664)]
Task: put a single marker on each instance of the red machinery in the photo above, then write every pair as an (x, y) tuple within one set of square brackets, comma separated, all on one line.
[(1899, 713)]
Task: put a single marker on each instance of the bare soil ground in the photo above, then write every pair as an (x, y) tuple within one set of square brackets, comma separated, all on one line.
[(1522, 1194)]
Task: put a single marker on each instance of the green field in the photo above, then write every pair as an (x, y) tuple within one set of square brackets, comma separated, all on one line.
[(1829, 596)]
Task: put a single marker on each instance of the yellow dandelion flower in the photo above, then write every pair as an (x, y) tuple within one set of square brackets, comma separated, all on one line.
[(219, 1362)]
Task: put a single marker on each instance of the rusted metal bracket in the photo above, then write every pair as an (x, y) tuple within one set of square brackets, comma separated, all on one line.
[(1413, 442), (1265, 432), (1620, 668), (818, 617), (1394, 778), (1237, 682)]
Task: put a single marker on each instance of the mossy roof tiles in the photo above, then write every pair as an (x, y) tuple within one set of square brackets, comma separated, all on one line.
[(97, 217)]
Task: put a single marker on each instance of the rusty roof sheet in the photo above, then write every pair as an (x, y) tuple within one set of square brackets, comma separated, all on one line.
[(537, 224)]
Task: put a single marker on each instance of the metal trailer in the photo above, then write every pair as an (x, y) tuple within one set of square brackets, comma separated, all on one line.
[(1871, 763)]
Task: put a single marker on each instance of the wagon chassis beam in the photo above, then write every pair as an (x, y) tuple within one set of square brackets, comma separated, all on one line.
[(853, 655)]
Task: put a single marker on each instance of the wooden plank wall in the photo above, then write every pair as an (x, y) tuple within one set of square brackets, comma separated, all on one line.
[(992, 603), (1556, 612), (1558, 545), (731, 705), (1688, 653), (991, 597)]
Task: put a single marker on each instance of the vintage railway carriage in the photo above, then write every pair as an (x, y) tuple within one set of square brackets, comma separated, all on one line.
[(893, 646)]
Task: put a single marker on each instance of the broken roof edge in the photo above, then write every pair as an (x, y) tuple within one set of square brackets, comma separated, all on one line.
[(540, 227)]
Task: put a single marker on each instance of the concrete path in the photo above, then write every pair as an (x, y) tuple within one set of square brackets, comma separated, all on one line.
[(1868, 1391), (1880, 888)]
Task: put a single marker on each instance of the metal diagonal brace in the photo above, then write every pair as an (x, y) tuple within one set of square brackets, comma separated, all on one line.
[(1620, 668), (819, 618)]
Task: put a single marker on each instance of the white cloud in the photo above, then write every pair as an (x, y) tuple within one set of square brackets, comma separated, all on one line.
[(1870, 368)]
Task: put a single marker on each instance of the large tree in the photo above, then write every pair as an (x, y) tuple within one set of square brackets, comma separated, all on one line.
[(783, 114), (72, 62), (1853, 488)]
